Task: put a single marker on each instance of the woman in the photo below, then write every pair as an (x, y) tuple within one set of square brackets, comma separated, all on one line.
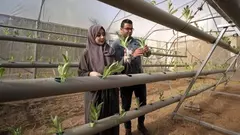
[(97, 55)]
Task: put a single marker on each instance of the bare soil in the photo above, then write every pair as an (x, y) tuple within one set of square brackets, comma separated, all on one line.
[(34, 115)]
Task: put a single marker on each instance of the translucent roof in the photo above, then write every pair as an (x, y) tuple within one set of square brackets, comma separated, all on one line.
[(79, 13)]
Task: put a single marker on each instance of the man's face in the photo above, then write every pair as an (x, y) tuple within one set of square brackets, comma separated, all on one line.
[(127, 30)]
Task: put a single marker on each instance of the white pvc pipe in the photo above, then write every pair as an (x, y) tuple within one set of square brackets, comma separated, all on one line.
[(12, 90)]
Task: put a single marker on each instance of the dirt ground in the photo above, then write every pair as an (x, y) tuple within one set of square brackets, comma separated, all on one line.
[(34, 115)]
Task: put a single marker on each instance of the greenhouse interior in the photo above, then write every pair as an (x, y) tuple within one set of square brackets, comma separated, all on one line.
[(179, 58)]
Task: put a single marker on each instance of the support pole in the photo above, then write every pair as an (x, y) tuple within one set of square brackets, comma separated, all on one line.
[(36, 36), (199, 71), (208, 125)]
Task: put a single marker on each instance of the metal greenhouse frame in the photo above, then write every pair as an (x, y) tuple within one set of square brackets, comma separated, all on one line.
[(13, 90)]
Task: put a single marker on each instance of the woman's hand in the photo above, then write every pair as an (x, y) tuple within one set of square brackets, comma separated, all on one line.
[(93, 73)]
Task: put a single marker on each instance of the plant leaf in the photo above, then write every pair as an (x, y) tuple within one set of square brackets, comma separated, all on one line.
[(99, 107), (65, 58), (173, 12), (2, 70), (115, 67)]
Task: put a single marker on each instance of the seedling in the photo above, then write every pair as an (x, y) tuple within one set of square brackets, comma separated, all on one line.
[(11, 59), (138, 104), (122, 112), (29, 34), (224, 38), (124, 44), (16, 131), (115, 67), (142, 43), (180, 92), (161, 96), (19, 75), (15, 32), (57, 126), (30, 59), (153, 2), (187, 13), (6, 31), (63, 69), (175, 63), (2, 70), (171, 9), (190, 67), (94, 113)]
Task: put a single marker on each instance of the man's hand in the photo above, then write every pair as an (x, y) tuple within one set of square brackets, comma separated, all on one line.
[(145, 49), (138, 52), (93, 73)]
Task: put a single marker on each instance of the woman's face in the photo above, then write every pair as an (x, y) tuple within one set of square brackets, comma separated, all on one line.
[(100, 39)]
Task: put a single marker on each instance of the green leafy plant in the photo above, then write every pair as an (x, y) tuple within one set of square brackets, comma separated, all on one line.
[(56, 126), (94, 113), (224, 38), (6, 31), (15, 32), (175, 63), (124, 42), (115, 67), (187, 13), (190, 67), (16, 131), (180, 92), (171, 9), (122, 112), (19, 75), (142, 43), (11, 59), (30, 59), (138, 104), (153, 2), (2, 70), (63, 69), (161, 95), (29, 34)]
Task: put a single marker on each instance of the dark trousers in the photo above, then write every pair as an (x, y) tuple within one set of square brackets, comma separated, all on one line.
[(126, 95)]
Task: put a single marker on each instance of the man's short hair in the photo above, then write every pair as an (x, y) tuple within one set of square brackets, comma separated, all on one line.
[(126, 21)]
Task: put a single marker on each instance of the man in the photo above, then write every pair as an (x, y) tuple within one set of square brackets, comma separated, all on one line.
[(132, 67)]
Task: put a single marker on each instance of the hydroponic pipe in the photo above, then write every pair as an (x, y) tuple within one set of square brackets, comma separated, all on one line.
[(44, 31), (61, 43), (55, 65), (115, 120), (12, 90), (159, 16), (41, 41), (168, 55)]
